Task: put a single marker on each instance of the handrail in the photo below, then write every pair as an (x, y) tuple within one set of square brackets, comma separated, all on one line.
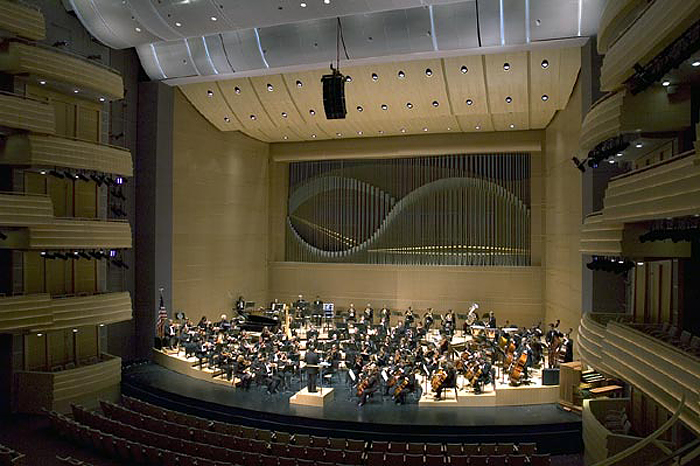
[(634, 326), (25, 97), (70, 138), (21, 193), (646, 441), (694, 445), (601, 99), (673, 159), (63, 52)]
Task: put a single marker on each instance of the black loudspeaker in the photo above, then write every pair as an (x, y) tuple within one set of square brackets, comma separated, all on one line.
[(550, 376), (334, 95)]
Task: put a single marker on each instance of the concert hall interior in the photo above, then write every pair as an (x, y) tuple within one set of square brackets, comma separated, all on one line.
[(344, 232)]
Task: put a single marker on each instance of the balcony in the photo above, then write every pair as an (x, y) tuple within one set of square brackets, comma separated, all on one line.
[(53, 151), (78, 234), (659, 369), (37, 390), (599, 237), (42, 312), (22, 210), (26, 114), (22, 20), (40, 62)]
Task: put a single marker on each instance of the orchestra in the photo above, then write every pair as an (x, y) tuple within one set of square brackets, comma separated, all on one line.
[(406, 360)]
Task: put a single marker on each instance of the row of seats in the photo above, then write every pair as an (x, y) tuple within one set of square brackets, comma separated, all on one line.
[(671, 334), (72, 461), (136, 407), (8, 456)]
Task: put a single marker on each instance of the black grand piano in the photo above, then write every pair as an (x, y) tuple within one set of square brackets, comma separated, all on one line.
[(254, 323)]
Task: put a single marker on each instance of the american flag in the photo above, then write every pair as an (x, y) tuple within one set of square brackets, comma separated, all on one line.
[(162, 317)]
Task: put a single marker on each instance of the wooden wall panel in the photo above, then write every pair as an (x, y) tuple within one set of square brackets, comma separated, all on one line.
[(88, 124), (34, 271), (61, 193), (84, 272), (59, 277), (35, 183), (27, 114), (22, 20), (86, 342), (35, 351), (85, 199)]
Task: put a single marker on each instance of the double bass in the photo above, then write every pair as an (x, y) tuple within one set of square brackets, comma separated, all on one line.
[(518, 369)]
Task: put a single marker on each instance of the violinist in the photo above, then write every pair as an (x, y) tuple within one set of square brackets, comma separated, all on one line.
[(444, 346), (243, 372), (203, 323)]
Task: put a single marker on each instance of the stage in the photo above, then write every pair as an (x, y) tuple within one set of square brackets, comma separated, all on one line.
[(555, 430)]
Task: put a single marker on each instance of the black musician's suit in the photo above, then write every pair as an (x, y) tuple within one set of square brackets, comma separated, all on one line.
[(311, 359)]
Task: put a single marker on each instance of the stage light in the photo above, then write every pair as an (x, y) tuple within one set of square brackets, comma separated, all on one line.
[(67, 174), (75, 91), (436, 103), (42, 253), (409, 105), (640, 263), (300, 84), (56, 174), (42, 172), (464, 69), (82, 177), (210, 93), (470, 102), (580, 165), (428, 72), (402, 75), (639, 145), (506, 67), (619, 154)]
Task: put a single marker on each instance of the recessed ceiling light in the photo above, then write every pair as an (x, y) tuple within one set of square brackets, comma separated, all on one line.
[(409, 105), (327, 2), (464, 69), (137, 29), (638, 145), (477, 127), (695, 63), (284, 114), (619, 154), (75, 91), (313, 136), (102, 99), (425, 129), (213, 18), (470, 102), (312, 112), (545, 97), (403, 130), (375, 76), (544, 64), (253, 117), (538, 22), (509, 99), (210, 93), (360, 133), (42, 82), (385, 106), (512, 126), (428, 72), (285, 137), (302, 4), (666, 83), (506, 66), (348, 79), (402, 75), (227, 119), (359, 108), (338, 134), (436, 103), (270, 87), (640, 263), (611, 161), (449, 129), (237, 90), (300, 84), (178, 24)]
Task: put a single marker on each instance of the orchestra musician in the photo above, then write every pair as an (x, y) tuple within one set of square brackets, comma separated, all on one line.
[(240, 304), (409, 317), (352, 313), (448, 323), (317, 310), (312, 360), (492, 320), (369, 314), (428, 319), (368, 386)]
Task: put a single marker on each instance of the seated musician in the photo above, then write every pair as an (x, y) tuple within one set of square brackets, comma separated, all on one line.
[(450, 380), (203, 323), (243, 372), (444, 346), (492, 320), (224, 324), (405, 384), (371, 384), (169, 335), (274, 379)]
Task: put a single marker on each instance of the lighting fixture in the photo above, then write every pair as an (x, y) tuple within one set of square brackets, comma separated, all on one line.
[(313, 136), (381, 131), (227, 119), (695, 63), (42, 82), (300, 84), (178, 24), (302, 4), (43, 172), (425, 129), (666, 83), (348, 79), (640, 263), (436, 103), (470, 102), (506, 66), (253, 117), (237, 90), (75, 330), (619, 154), (270, 87), (75, 91), (210, 93), (449, 129), (312, 112), (284, 114), (213, 18), (375, 77), (385, 106), (509, 99), (477, 127), (638, 145), (359, 133), (545, 97), (137, 29), (102, 99), (338, 134), (40, 334), (464, 69), (102, 325), (512, 126), (428, 72), (285, 137), (327, 2), (402, 75), (611, 161), (403, 130), (544, 64), (359, 108), (119, 180), (409, 105)]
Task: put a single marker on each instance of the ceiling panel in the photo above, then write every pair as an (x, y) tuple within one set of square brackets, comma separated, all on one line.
[(485, 83)]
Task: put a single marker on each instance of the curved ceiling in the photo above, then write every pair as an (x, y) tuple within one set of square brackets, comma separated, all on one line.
[(495, 92), (201, 39)]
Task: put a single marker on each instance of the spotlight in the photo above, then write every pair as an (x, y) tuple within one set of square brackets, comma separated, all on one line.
[(82, 177), (428, 72), (695, 64), (56, 174), (67, 174), (402, 75), (42, 172), (464, 69), (436, 103), (544, 64), (666, 83), (580, 165)]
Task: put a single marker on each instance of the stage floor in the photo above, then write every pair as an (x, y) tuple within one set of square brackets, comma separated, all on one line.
[(555, 430)]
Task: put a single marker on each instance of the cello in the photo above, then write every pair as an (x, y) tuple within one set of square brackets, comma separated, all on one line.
[(518, 368)]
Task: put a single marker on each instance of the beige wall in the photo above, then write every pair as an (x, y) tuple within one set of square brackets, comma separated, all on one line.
[(220, 215), (514, 293), (562, 200)]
